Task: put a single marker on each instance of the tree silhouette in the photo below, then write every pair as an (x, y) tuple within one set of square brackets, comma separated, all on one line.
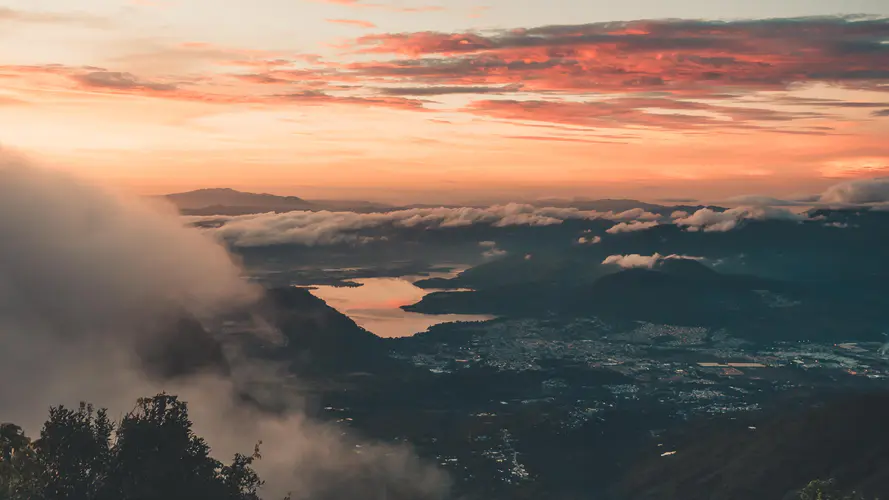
[(73, 454), (152, 454), (158, 456), (16, 462)]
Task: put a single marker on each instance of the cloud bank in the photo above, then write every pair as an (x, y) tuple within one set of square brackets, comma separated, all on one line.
[(330, 228), (91, 282), (858, 192)]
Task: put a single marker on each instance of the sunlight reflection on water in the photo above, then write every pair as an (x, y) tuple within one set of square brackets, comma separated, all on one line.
[(376, 306)]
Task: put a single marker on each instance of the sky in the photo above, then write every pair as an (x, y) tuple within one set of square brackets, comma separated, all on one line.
[(444, 101)]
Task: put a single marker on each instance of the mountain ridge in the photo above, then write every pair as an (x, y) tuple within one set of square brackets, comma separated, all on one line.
[(228, 197), (229, 201)]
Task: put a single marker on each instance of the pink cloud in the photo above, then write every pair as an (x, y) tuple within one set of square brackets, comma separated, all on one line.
[(353, 22), (684, 57)]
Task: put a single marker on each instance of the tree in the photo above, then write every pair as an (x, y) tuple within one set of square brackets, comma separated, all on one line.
[(239, 479), (12, 441), (16, 462), (73, 454), (157, 456), (152, 454), (826, 490)]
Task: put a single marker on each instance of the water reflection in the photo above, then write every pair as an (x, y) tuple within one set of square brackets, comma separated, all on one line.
[(376, 306)]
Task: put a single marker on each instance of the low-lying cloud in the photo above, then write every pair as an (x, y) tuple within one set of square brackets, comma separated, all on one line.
[(709, 220), (493, 253), (635, 260), (490, 250), (589, 240), (330, 228), (90, 279), (321, 228), (633, 214), (858, 192), (629, 227)]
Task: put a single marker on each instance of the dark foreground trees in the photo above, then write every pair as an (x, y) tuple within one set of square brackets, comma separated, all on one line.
[(151, 454)]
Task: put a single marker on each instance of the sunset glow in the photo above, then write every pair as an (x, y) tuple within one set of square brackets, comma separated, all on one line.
[(416, 100)]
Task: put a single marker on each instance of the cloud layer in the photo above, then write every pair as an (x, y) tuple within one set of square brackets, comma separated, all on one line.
[(332, 228), (328, 228), (673, 75), (689, 56)]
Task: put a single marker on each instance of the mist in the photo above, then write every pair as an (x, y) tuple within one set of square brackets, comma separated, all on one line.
[(95, 288)]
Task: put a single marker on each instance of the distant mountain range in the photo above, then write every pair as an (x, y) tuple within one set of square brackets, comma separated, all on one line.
[(203, 198), (226, 201)]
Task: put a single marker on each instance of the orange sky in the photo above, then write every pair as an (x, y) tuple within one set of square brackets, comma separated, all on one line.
[(423, 102)]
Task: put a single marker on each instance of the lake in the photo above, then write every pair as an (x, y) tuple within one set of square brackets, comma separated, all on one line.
[(376, 306)]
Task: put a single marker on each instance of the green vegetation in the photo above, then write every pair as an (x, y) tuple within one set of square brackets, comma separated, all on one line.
[(151, 454)]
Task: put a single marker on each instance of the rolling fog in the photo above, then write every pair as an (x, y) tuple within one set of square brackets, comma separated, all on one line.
[(91, 281)]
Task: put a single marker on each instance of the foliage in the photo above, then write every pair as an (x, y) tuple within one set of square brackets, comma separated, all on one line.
[(151, 454), (826, 490), (72, 454), (16, 462)]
